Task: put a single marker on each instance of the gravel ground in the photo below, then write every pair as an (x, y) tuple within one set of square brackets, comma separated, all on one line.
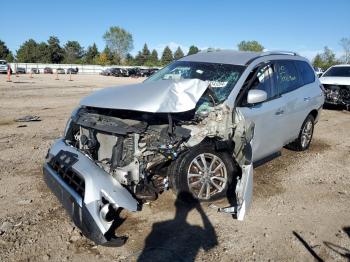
[(300, 208)]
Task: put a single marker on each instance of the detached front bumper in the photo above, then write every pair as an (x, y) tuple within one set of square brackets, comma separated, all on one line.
[(84, 189)]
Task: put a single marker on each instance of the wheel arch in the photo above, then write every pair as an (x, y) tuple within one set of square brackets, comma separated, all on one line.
[(314, 113)]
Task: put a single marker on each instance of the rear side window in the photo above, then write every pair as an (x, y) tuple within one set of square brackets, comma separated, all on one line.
[(306, 72), (287, 77)]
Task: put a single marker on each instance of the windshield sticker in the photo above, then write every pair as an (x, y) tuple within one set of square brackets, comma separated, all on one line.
[(216, 84)]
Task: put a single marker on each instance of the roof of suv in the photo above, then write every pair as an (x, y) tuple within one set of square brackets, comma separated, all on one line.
[(231, 56)]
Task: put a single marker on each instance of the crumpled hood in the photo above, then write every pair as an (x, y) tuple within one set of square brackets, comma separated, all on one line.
[(163, 96), (335, 80)]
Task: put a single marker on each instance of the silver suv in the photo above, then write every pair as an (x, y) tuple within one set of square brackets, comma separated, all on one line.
[(197, 126)]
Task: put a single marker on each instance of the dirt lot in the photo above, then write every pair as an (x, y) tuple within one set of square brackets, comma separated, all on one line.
[(301, 201)]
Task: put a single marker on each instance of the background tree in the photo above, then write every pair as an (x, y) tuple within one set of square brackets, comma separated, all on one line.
[(153, 59), (43, 53), (108, 54), (138, 59), (73, 52), (345, 44), (55, 50), (325, 59), (91, 54), (145, 54), (317, 61), (116, 59), (27, 52), (193, 50), (178, 53), (167, 56), (129, 60), (103, 59), (253, 46), (119, 41), (5, 53), (10, 58)]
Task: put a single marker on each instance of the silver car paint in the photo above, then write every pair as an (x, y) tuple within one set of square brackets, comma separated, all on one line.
[(156, 97), (105, 185), (270, 138)]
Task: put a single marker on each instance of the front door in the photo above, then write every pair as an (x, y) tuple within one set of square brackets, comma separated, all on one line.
[(267, 116)]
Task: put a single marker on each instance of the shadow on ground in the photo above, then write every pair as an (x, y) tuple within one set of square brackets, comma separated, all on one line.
[(176, 239), (342, 251)]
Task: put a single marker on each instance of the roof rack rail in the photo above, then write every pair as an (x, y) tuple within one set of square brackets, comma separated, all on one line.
[(272, 53), (279, 53)]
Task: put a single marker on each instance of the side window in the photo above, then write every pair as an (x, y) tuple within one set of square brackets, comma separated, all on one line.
[(287, 78), (306, 72), (264, 81)]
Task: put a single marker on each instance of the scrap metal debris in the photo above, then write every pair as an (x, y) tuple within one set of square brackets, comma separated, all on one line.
[(28, 118)]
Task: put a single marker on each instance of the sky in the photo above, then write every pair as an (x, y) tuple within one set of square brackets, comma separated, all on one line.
[(304, 26)]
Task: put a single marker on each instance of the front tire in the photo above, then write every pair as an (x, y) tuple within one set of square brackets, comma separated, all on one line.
[(303, 141), (203, 172)]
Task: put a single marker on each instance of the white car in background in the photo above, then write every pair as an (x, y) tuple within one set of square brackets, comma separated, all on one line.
[(3, 66), (336, 82)]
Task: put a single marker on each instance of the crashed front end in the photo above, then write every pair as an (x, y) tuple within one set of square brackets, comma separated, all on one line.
[(337, 94), (113, 159)]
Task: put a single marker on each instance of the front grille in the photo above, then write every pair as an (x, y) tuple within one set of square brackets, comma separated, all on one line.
[(62, 164)]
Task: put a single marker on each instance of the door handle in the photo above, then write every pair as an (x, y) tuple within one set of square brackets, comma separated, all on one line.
[(279, 112), (306, 99)]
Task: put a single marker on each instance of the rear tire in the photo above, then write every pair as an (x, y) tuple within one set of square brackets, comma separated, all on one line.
[(203, 172), (304, 139)]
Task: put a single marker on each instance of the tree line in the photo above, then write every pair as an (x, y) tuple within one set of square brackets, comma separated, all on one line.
[(118, 41), (119, 44)]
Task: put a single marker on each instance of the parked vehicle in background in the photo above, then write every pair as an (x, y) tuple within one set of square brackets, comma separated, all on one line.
[(134, 72), (124, 72), (318, 71), (199, 134), (106, 72), (3, 67), (153, 70), (73, 70), (48, 70), (35, 71), (20, 70), (336, 83), (118, 72), (60, 71)]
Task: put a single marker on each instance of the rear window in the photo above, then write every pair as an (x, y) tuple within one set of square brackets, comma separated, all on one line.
[(306, 72), (341, 71)]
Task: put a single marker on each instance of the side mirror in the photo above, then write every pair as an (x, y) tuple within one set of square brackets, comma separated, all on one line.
[(256, 96)]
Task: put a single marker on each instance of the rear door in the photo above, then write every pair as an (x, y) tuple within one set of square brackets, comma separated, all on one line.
[(294, 83), (288, 83)]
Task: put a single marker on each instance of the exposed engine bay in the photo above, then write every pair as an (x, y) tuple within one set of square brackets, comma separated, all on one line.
[(337, 94), (136, 148)]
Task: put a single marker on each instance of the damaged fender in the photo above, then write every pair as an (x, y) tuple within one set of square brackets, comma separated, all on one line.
[(243, 154)]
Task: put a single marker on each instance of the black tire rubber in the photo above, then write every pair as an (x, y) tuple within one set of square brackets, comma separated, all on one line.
[(296, 144), (177, 171)]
